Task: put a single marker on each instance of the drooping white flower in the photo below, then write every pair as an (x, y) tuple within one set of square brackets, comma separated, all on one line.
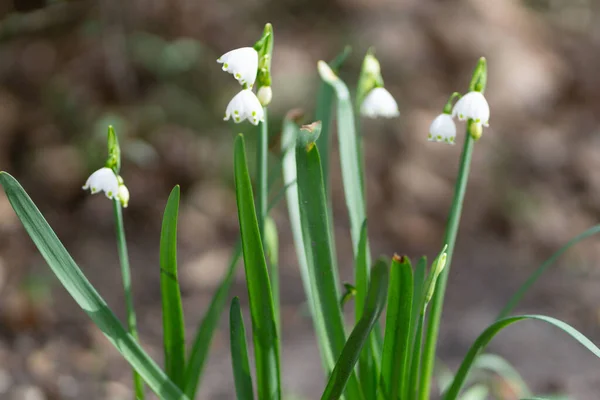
[(265, 95), (245, 105), (472, 105), (442, 129), (379, 103), (242, 63), (103, 180)]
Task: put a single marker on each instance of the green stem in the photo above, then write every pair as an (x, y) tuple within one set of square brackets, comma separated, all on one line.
[(126, 272), (262, 178), (437, 303)]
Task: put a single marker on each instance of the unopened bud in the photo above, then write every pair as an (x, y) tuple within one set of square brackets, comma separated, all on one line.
[(265, 94)]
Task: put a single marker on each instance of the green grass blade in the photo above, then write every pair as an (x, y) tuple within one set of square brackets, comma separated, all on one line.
[(366, 368), (482, 341), (350, 159), (417, 319), (374, 305), (415, 360), (324, 114), (264, 326), (72, 278), (288, 146), (239, 353), (396, 342), (206, 330), (272, 246), (172, 309), (514, 300), (316, 237)]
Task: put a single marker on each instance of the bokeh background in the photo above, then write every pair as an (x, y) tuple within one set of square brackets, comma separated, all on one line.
[(68, 69)]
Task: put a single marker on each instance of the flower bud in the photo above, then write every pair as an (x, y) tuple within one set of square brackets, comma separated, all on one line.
[(265, 94)]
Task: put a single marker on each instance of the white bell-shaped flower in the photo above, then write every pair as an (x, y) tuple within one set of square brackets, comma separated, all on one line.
[(379, 103), (103, 180), (442, 129), (242, 63), (245, 105), (472, 105)]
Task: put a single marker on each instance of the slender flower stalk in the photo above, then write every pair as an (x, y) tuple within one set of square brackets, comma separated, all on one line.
[(264, 47), (121, 200), (437, 302), (126, 273)]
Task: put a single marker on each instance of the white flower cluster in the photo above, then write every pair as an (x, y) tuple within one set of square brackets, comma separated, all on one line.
[(472, 106), (105, 180), (242, 63)]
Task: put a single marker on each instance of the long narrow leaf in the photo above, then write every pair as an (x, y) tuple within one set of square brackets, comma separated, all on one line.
[(374, 305), (349, 156), (206, 329), (316, 237), (514, 300), (288, 146), (272, 247), (366, 367), (487, 335), (239, 353), (173, 325), (417, 318), (323, 113), (264, 326), (82, 291), (396, 343)]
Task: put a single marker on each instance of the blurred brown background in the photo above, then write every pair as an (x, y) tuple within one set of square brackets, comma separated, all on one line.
[(70, 68)]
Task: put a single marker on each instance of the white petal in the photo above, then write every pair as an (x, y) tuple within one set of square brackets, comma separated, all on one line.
[(379, 103), (242, 63), (472, 105), (103, 180), (442, 129), (245, 105)]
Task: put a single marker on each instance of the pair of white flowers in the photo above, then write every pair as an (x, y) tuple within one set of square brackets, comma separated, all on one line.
[(472, 106), (243, 65), (105, 180)]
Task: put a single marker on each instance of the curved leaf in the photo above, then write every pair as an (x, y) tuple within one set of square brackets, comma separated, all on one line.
[(487, 335), (374, 305), (206, 330), (82, 291), (514, 300)]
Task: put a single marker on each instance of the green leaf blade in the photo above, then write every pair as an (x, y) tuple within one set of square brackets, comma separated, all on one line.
[(488, 334), (72, 278), (366, 369), (288, 147), (514, 300), (206, 329), (172, 309), (374, 305), (239, 353), (264, 325), (394, 371), (316, 237)]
